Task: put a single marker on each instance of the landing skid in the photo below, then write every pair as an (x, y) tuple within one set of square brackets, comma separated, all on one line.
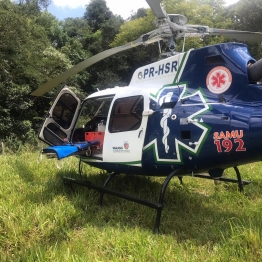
[(158, 206), (241, 183), (103, 189)]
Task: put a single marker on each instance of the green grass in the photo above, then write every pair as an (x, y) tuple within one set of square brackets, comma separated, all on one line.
[(41, 220)]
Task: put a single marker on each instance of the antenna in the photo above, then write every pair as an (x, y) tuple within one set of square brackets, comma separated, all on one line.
[(184, 42), (159, 47)]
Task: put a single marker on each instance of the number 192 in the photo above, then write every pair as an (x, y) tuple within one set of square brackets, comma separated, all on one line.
[(227, 145)]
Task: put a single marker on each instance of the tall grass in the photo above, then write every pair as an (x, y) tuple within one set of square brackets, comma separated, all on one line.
[(41, 220)]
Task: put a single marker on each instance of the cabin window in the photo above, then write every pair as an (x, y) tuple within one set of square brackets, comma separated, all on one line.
[(126, 114), (56, 139), (64, 110)]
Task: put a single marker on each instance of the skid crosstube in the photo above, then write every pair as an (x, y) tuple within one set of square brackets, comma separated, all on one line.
[(158, 206)]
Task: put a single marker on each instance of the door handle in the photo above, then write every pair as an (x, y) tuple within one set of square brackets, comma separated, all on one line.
[(148, 112), (140, 132)]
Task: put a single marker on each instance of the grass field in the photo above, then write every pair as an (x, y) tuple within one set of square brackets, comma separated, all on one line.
[(40, 220)]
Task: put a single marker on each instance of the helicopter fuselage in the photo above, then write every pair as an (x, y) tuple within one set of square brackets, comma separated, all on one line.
[(197, 110)]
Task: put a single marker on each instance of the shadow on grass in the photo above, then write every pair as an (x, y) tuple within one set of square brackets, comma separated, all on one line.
[(187, 215), (24, 172)]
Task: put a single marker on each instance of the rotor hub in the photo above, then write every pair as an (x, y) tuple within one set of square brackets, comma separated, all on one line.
[(177, 19)]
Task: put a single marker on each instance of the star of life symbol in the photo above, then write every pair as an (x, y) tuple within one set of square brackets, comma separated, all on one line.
[(167, 113), (218, 80)]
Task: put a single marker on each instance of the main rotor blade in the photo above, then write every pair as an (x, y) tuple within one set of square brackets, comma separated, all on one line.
[(157, 8), (238, 35), (86, 63)]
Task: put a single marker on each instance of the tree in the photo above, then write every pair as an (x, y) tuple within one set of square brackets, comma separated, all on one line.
[(97, 13), (20, 44), (26, 61), (32, 7), (35, 47), (141, 12), (248, 20), (130, 60), (104, 26), (53, 29)]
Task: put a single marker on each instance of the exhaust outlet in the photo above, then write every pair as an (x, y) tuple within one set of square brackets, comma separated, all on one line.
[(255, 71)]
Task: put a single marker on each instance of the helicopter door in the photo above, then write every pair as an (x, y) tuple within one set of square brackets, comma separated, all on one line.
[(61, 118), (124, 140)]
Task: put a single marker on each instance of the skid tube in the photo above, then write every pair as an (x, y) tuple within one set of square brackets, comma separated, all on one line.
[(241, 183), (103, 189)]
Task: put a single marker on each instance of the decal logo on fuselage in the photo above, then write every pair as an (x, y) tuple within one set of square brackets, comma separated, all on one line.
[(162, 69), (227, 141), (218, 80), (172, 152), (121, 149)]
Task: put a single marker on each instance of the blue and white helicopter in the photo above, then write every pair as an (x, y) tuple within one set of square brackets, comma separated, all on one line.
[(194, 112)]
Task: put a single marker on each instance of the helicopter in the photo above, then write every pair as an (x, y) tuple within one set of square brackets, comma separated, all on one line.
[(190, 113)]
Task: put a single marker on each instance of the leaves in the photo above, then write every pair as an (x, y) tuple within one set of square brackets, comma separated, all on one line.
[(35, 47)]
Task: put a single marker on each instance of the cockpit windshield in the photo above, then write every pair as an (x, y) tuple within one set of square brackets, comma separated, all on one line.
[(94, 112), (95, 107)]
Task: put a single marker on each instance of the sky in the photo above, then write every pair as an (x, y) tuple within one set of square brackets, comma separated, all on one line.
[(76, 8)]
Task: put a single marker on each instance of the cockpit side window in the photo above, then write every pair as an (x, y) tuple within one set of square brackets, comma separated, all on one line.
[(126, 114)]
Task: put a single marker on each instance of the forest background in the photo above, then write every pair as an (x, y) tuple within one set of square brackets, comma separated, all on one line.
[(35, 47)]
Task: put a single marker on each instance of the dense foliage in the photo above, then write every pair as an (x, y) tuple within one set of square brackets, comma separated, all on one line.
[(35, 47)]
